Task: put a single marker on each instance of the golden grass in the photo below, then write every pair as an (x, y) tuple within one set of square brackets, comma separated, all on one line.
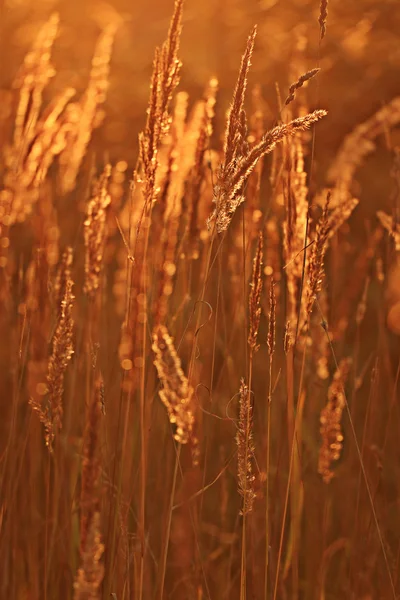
[(200, 360)]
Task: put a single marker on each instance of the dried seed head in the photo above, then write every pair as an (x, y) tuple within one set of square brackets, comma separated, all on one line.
[(391, 227), (91, 572), (235, 115), (176, 393), (232, 176), (316, 262), (95, 232), (299, 83), (165, 78), (50, 410), (244, 441), (323, 14), (331, 416)]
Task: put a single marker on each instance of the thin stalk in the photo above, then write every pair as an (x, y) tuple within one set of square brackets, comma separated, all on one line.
[(288, 486), (267, 479), (243, 568), (163, 562)]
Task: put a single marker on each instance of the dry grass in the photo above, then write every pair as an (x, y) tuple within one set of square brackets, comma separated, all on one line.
[(200, 359)]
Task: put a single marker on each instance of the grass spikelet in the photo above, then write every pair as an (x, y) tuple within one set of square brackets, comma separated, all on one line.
[(165, 78), (37, 139), (323, 15), (255, 296), (295, 225), (51, 410), (28, 168), (316, 263), (176, 393), (235, 115), (90, 575), (229, 188), (245, 445), (299, 84), (170, 63), (331, 416), (95, 232), (391, 227), (31, 80)]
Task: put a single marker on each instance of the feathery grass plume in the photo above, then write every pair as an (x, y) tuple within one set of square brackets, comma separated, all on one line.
[(31, 80), (356, 147), (176, 393), (36, 141), (244, 441), (236, 131), (29, 165), (165, 78), (331, 416), (85, 115), (234, 128), (95, 232), (316, 262), (299, 83), (323, 15), (87, 584), (62, 351), (391, 226), (50, 411), (295, 193), (255, 296), (91, 466), (296, 206), (230, 182)]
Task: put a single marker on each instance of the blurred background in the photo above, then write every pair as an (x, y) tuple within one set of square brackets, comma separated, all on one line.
[(360, 56), (360, 67)]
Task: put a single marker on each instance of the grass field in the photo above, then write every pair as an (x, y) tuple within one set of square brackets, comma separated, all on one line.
[(199, 300)]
